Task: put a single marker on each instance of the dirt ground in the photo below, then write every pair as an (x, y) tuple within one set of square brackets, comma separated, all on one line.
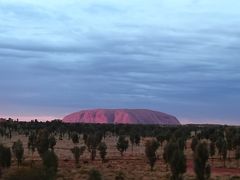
[(133, 164)]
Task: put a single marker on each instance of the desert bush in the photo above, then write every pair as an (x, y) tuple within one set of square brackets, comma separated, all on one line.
[(18, 151), (52, 142), (42, 141), (50, 163), (194, 143), (212, 149), (94, 175), (102, 148), (201, 167), (168, 151), (151, 147), (178, 164), (5, 156), (93, 141), (77, 152), (75, 138), (122, 144)]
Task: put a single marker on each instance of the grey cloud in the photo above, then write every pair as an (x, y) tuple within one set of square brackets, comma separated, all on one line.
[(189, 72)]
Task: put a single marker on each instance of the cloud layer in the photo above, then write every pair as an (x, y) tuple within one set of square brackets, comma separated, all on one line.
[(178, 57)]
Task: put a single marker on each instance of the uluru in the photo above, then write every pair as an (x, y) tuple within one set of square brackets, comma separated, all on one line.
[(121, 116)]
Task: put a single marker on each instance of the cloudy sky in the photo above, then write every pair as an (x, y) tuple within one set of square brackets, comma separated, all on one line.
[(177, 56)]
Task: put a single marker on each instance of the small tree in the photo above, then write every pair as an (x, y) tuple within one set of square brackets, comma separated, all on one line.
[(151, 147), (18, 151), (178, 164), (168, 151), (224, 152), (102, 147), (194, 143), (42, 141), (132, 139), (92, 144), (50, 163), (52, 142), (77, 152), (201, 167), (122, 144), (75, 138), (212, 150)]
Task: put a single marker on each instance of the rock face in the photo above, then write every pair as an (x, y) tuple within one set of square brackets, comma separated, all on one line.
[(121, 116)]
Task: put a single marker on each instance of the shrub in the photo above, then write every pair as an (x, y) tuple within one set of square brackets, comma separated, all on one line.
[(178, 164), (194, 143), (77, 152), (93, 141), (52, 142), (5, 156), (102, 147), (169, 149), (151, 147), (94, 175), (18, 151), (50, 163), (75, 138), (122, 144), (42, 141), (201, 168)]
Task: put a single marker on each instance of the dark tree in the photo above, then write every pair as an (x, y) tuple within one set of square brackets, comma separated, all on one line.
[(137, 139), (201, 155), (194, 143), (212, 150), (224, 152), (102, 148), (50, 163), (178, 164), (219, 144), (32, 143), (92, 144), (52, 142), (18, 151), (168, 151), (77, 152), (122, 144), (75, 138), (151, 147), (42, 141), (132, 139)]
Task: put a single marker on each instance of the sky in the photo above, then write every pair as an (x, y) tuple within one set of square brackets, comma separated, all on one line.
[(181, 57)]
